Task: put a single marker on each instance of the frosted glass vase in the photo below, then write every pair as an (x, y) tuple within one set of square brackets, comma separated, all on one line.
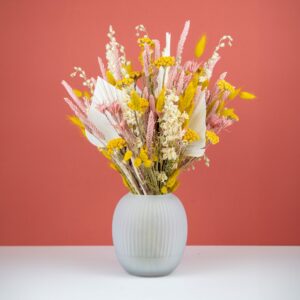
[(149, 233)]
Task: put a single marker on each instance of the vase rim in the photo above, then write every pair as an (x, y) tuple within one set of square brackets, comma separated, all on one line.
[(149, 195)]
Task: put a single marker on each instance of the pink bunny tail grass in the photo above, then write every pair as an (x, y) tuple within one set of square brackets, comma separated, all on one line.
[(152, 103), (157, 49), (102, 68), (115, 64), (187, 80), (89, 126), (150, 131), (76, 100), (171, 77), (182, 40), (145, 93), (75, 109), (146, 60), (191, 66), (180, 83)]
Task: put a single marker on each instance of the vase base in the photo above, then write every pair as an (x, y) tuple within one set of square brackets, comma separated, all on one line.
[(149, 267)]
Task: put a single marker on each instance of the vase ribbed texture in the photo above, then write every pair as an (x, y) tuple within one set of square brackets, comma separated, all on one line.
[(149, 233)]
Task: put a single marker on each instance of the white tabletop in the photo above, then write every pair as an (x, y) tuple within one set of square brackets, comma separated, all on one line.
[(206, 272)]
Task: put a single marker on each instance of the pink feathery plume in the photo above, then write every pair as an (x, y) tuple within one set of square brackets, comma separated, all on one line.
[(180, 83), (150, 131), (171, 77), (116, 64), (157, 49), (182, 41), (146, 60), (152, 103), (83, 118), (187, 80), (102, 68), (76, 100), (145, 92)]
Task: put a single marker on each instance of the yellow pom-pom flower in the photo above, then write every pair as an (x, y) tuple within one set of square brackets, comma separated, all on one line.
[(137, 103), (229, 113), (191, 136), (143, 155), (145, 40), (148, 163), (223, 85), (127, 155), (212, 137), (165, 61), (124, 82), (115, 144), (164, 190), (137, 162)]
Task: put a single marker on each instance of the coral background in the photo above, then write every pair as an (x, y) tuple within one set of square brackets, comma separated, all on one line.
[(56, 189)]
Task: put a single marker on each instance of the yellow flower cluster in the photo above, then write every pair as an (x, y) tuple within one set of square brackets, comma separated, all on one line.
[(223, 85), (165, 61), (115, 144), (191, 136), (229, 113), (127, 155), (137, 103), (171, 184), (212, 137), (135, 75), (145, 40), (143, 159), (124, 82)]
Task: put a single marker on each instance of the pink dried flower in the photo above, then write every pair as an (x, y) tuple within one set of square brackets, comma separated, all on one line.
[(182, 41), (76, 100), (152, 103), (102, 68), (150, 131), (157, 49)]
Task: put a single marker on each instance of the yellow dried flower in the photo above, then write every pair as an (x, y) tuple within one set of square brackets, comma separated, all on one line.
[(145, 40), (161, 100), (229, 113), (175, 186), (125, 182), (127, 155), (115, 144), (186, 100), (124, 82), (223, 85), (165, 61), (137, 162), (78, 93), (110, 77), (212, 137), (191, 136), (138, 103), (143, 155), (172, 179), (154, 157), (135, 75), (148, 163), (105, 153), (200, 47), (76, 121), (164, 190), (113, 166), (247, 96)]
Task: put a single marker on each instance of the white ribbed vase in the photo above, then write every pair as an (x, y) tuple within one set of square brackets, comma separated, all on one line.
[(149, 233)]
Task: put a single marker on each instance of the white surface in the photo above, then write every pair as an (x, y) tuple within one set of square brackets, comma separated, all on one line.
[(88, 273)]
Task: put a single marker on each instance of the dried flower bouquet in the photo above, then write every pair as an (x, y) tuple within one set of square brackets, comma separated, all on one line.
[(155, 122)]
